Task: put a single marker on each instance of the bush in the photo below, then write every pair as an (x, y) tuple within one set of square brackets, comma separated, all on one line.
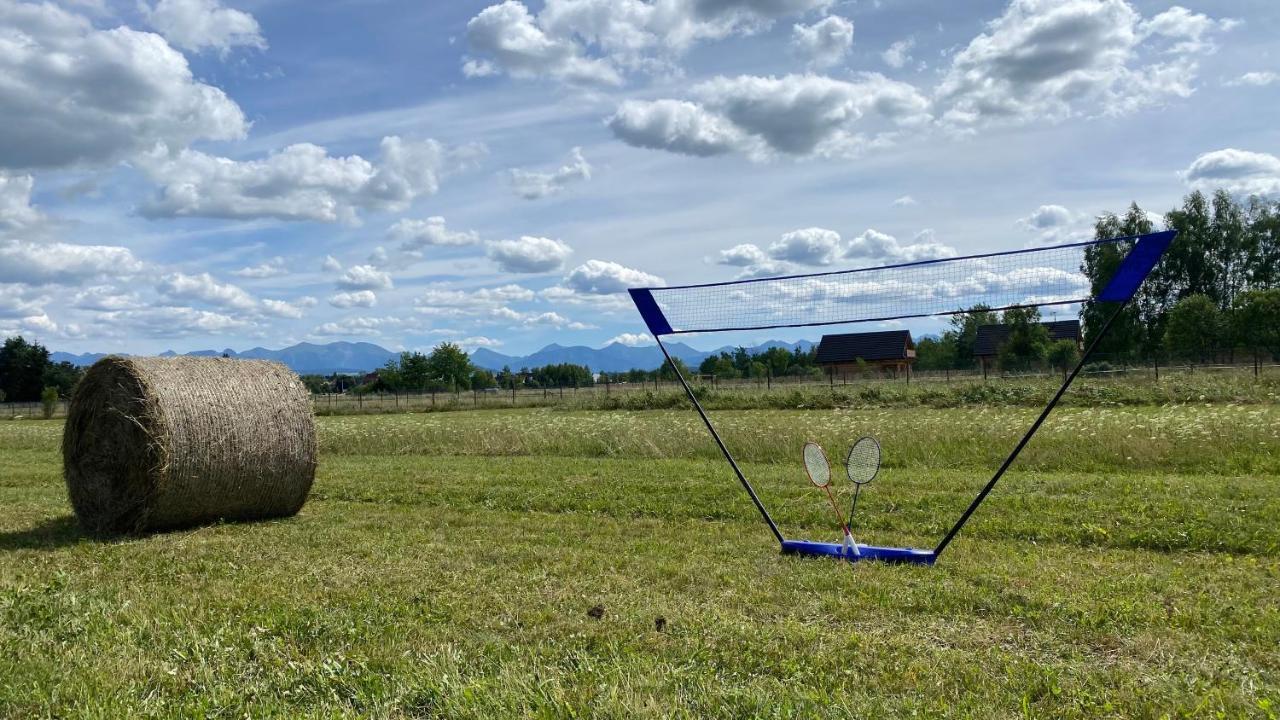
[(49, 401)]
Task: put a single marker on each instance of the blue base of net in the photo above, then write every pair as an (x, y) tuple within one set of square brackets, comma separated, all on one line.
[(867, 552)]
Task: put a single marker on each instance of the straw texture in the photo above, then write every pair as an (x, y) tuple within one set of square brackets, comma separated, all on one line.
[(159, 443)]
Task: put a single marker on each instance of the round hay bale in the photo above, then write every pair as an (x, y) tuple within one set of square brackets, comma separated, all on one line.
[(159, 443)]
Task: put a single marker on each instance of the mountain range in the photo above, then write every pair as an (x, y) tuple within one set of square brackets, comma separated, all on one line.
[(349, 357)]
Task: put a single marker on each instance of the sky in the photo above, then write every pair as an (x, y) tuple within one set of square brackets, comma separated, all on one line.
[(189, 174)]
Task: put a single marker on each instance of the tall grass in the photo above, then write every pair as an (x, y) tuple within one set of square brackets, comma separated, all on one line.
[(1222, 439)]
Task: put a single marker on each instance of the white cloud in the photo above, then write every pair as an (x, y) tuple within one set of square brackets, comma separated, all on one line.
[(63, 263), (631, 340), (1239, 172), (414, 235), (876, 247), (171, 322), (359, 298), (589, 42), (535, 185), (364, 277), (205, 288), (529, 254), (300, 182), (16, 301), (16, 210), (1051, 59), (204, 24), (357, 326), (286, 309), (1047, 216), (269, 269), (793, 115), (76, 95), (600, 277), (553, 319), (1192, 31), (766, 268), (899, 53), (807, 246), (742, 255), (824, 43), (905, 201), (510, 35), (330, 264), (1256, 79), (675, 125), (452, 302), (105, 298), (479, 341)]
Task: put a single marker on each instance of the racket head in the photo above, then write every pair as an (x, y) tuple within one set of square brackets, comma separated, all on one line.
[(816, 465), (862, 464)]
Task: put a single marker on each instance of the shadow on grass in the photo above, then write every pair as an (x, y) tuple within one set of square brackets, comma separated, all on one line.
[(48, 535)]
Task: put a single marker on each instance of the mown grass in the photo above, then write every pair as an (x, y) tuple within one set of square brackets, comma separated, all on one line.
[(446, 566)]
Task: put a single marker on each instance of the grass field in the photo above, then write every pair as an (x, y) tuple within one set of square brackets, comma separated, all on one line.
[(448, 565)]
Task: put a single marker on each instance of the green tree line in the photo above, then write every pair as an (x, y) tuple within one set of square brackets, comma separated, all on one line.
[(1216, 290), (28, 375)]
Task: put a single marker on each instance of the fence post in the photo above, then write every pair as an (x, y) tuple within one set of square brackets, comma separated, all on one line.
[(1255, 363), (360, 401), (513, 394), (1155, 363)]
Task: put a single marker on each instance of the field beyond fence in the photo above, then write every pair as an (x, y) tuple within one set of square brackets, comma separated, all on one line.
[(1151, 385)]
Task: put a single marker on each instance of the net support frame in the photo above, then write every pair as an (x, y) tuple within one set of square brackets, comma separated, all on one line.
[(1120, 289)]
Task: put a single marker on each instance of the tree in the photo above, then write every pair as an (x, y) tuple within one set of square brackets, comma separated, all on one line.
[(22, 367), (1063, 354), (936, 353), (62, 377), (667, 373), (480, 379), (1130, 331), (449, 367), (416, 372), (720, 365), (1027, 344), (964, 332), (1194, 328), (49, 401), (1255, 320)]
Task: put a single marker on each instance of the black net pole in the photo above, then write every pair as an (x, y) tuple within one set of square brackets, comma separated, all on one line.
[(1030, 432), (724, 449)]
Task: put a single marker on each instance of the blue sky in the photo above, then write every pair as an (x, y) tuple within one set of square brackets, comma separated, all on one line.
[(191, 173)]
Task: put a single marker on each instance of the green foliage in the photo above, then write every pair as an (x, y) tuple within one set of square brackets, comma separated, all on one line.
[(1225, 248), (1255, 318), (63, 377), (1063, 354), (666, 372), (935, 353), (560, 375), (449, 367), (1195, 328), (481, 379), (1027, 344), (316, 384), (964, 332), (22, 368), (49, 401)]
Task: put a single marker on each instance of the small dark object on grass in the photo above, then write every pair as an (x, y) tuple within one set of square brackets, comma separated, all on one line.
[(596, 612), (660, 624)]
